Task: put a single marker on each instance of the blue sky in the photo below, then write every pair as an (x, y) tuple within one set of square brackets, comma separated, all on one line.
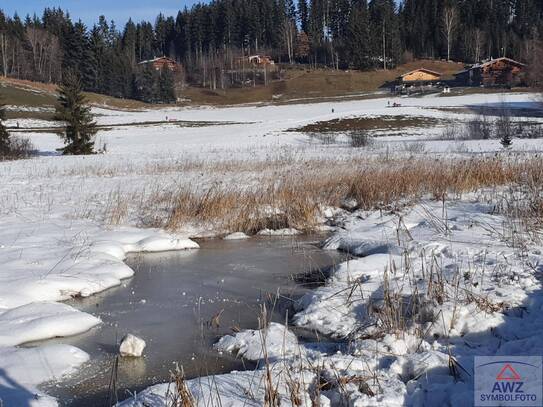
[(89, 10)]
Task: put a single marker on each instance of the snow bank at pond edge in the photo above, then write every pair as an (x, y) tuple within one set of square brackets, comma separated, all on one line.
[(379, 365), (56, 265)]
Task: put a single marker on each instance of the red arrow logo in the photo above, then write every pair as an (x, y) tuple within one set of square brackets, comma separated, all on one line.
[(508, 373)]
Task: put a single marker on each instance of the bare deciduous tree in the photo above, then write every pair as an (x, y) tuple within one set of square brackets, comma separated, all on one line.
[(449, 27), (289, 35), (478, 43), (535, 67), (45, 51), (3, 50)]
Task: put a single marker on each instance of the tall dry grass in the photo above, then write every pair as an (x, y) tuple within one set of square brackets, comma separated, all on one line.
[(292, 196)]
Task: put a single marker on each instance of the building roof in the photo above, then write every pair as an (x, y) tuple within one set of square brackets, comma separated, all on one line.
[(423, 70), (488, 63), (493, 61), (150, 61), (464, 71)]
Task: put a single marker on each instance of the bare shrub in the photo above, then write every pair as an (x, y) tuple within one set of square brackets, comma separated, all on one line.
[(460, 148), (450, 132), (17, 148), (482, 128), (414, 147), (324, 138), (528, 130), (359, 139), (479, 128)]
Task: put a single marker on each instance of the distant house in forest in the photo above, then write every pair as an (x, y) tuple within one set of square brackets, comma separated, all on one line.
[(175, 80), (161, 62), (496, 72), (421, 75), (255, 60), (260, 60)]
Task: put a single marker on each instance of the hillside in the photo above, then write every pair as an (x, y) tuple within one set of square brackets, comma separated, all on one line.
[(298, 84), (41, 98), (320, 83)]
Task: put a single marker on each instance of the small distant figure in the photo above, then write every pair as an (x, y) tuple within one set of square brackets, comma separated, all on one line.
[(17, 124), (333, 110), (166, 118), (388, 102)]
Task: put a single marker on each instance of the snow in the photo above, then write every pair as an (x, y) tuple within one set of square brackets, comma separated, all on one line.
[(236, 389), (279, 232), (23, 369), (55, 245), (276, 339), (131, 345), (236, 236), (42, 320)]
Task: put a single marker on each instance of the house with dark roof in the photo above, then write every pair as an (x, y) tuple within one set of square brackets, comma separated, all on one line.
[(495, 72)]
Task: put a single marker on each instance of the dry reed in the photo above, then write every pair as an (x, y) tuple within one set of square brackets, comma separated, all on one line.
[(293, 196)]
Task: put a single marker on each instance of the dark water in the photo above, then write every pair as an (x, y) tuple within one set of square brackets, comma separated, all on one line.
[(171, 301)]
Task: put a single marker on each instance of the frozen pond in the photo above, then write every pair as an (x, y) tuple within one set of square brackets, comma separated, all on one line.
[(171, 302)]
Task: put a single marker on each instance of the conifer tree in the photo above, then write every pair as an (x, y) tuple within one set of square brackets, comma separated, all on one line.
[(145, 84), (166, 90), (506, 139), (359, 36), (303, 15), (72, 109), (504, 128), (4, 135)]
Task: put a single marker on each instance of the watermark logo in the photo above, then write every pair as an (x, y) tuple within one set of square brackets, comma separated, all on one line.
[(508, 381)]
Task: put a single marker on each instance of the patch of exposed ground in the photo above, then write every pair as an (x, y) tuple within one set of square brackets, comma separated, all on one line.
[(368, 123)]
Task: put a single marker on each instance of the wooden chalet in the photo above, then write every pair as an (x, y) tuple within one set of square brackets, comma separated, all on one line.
[(496, 72), (260, 60), (162, 62), (419, 76)]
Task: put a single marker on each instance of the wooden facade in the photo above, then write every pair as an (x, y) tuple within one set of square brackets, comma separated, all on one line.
[(420, 75), (260, 60), (163, 62), (496, 72)]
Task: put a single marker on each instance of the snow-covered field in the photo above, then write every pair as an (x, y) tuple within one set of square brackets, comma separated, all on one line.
[(55, 244)]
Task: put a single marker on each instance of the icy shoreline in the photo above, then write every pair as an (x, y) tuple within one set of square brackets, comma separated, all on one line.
[(29, 299), (476, 293)]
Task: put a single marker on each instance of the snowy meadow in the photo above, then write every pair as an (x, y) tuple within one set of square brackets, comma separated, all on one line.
[(442, 225)]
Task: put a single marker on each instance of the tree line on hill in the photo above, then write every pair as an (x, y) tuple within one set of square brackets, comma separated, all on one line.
[(209, 38)]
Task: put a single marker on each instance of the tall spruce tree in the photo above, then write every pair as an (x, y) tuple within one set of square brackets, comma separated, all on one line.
[(166, 90), (145, 84), (359, 36), (303, 15), (4, 135), (72, 109)]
